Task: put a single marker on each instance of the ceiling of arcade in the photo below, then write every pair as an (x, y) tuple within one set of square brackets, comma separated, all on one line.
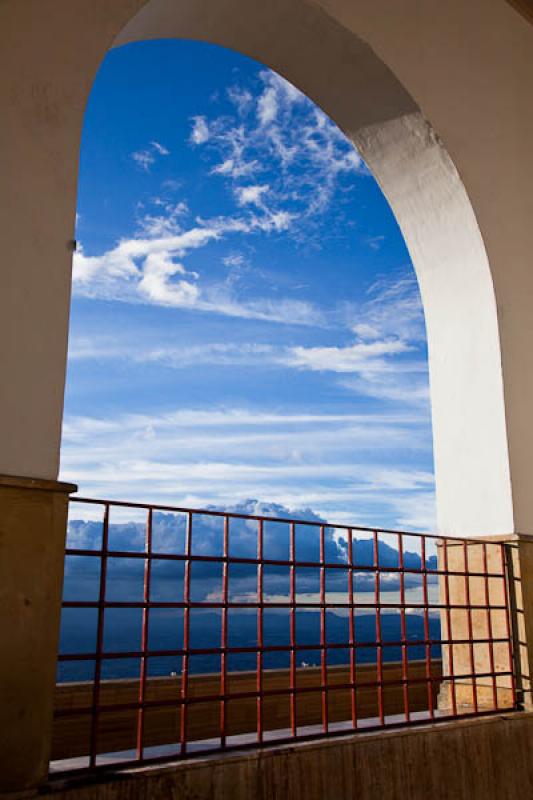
[(524, 7)]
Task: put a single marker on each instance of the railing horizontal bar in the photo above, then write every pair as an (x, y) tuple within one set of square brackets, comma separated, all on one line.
[(274, 648), (155, 556), (307, 604), (176, 702)]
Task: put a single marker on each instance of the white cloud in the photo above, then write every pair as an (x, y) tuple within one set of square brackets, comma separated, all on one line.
[(283, 88), (270, 221), (393, 308), (145, 270), (141, 270), (106, 348), (147, 157), (165, 223), (247, 195), (121, 261), (161, 149), (279, 126), (267, 106), (233, 260), (200, 131), (379, 364), (415, 511), (227, 167), (387, 361), (286, 311), (239, 416), (157, 286), (241, 98), (403, 383), (235, 169), (375, 242), (363, 330), (144, 159), (396, 385), (362, 356)]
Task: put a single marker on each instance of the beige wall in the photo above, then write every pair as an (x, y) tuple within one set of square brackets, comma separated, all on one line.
[(47, 66), (380, 70), (32, 553)]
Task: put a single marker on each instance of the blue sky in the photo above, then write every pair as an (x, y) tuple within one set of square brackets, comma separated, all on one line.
[(245, 319)]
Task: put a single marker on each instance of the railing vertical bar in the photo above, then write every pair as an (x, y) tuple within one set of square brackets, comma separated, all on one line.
[(323, 632), (351, 630), (513, 639), (489, 627), (186, 633), (99, 640), (451, 673), (224, 637), (426, 626), (144, 637), (470, 628), (292, 598), (260, 639), (379, 641), (405, 668)]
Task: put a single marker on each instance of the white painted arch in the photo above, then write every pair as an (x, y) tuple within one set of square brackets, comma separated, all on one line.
[(332, 55)]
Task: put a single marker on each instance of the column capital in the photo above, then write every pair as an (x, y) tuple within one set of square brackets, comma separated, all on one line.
[(40, 484)]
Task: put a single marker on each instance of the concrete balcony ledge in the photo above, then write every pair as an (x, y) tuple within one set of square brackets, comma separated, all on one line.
[(475, 759)]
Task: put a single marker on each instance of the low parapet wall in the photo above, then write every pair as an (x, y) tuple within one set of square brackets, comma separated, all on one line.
[(486, 758), (117, 728)]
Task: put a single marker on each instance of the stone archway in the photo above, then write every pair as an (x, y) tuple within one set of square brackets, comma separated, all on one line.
[(380, 70), (342, 74)]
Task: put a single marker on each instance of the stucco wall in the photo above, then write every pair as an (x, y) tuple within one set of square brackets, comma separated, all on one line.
[(470, 68)]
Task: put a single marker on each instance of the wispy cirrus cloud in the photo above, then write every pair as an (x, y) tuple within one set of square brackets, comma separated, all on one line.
[(280, 127), (165, 218), (104, 348), (225, 455), (386, 360), (361, 358), (146, 157), (398, 385), (276, 125), (392, 307), (358, 357)]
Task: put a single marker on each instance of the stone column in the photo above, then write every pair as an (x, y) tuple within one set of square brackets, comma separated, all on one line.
[(33, 522), (481, 623)]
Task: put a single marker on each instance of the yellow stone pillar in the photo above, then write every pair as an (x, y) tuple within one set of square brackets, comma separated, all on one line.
[(468, 629), (33, 523)]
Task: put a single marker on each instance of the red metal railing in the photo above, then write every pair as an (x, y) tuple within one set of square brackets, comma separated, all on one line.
[(441, 587)]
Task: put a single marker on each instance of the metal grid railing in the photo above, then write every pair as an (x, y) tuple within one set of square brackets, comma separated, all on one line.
[(407, 602)]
